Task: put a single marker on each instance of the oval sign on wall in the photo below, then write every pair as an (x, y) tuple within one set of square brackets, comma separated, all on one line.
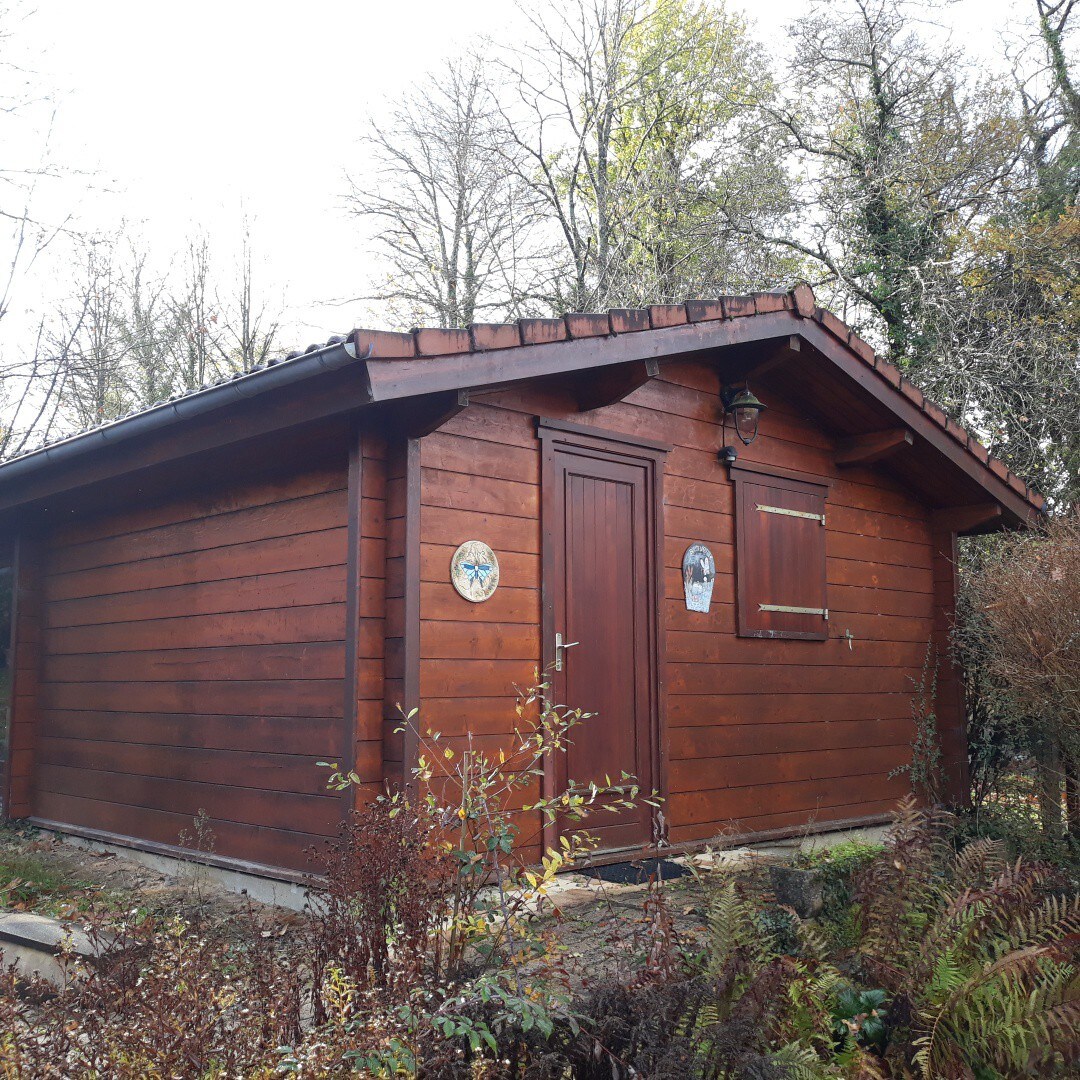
[(474, 571), (699, 573)]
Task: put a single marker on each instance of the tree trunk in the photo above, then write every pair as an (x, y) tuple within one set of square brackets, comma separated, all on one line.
[(1072, 793), (1048, 772)]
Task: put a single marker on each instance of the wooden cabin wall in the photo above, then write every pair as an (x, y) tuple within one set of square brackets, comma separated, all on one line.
[(192, 658), (761, 735)]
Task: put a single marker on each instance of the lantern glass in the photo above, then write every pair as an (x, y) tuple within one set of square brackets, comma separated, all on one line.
[(745, 411), (746, 423)]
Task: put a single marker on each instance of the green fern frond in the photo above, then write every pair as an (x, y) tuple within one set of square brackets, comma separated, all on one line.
[(802, 1063)]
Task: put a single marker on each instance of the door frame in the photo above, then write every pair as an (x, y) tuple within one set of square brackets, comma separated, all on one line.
[(650, 454)]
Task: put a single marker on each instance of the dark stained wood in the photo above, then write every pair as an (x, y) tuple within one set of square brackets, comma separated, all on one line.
[(780, 559), (599, 578), (351, 644), (281, 590), (266, 850), (422, 417), (954, 464), (875, 446), (879, 591), (279, 616), (217, 440), (403, 676), (194, 658), (966, 519), (614, 384)]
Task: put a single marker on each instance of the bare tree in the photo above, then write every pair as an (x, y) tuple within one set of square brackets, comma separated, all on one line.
[(573, 82), (248, 327), (31, 375), (635, 123), (450, 218), (87, 339)]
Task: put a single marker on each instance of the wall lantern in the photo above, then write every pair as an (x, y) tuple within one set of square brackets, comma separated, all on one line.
[(744, 409)]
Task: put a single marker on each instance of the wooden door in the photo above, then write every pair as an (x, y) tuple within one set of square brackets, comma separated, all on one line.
[(600, 595)]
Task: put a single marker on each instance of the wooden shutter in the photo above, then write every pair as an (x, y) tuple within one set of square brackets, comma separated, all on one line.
[(780, 556)]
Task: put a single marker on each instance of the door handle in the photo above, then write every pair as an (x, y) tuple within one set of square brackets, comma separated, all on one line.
[(560, 649)]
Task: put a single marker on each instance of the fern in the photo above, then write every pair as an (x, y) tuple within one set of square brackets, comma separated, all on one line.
[(984, 958)]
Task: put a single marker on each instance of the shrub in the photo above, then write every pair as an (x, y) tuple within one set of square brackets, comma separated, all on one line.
[(164, 999)]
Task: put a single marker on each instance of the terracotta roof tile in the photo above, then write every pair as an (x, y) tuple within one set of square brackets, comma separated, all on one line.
[(890, 371), (910, 390), (738, 306), (541, 331), (860, 347), (835, 326), (581, 325), (385, 343), (978, 449), (661, 315), (628, 320), (934, 412), (803, 297), (772, 301), (431, 341), (956, 431), (704, 310), (494, 335)]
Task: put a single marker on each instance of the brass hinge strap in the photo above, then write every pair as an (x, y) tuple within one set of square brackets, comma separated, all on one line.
[(787, 608), (790, 513)]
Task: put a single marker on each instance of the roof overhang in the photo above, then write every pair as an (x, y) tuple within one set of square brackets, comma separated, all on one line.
[(429, 371)]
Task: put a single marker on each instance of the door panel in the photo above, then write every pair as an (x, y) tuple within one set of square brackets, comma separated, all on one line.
[(599, 586)]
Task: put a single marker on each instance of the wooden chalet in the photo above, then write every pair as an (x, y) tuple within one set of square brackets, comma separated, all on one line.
[(214, 594)]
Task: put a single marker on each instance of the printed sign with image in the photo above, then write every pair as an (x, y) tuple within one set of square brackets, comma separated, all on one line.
[(474, 571), (699, 573)]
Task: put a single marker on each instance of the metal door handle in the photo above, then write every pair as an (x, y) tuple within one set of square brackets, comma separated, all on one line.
[(560, 648)]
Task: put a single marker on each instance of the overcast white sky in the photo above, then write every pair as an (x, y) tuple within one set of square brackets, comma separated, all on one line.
[(193, 114)]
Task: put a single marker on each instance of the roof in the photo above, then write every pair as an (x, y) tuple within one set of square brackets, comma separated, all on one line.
[(384, 366)]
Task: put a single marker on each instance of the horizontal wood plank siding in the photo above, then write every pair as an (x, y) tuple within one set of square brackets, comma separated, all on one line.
[(192, 659), (762, 734)]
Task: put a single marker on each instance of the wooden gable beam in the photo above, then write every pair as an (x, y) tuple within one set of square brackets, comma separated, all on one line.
[(429, 414), (965, 519), (866, 449), (779, 355), (607, 387)]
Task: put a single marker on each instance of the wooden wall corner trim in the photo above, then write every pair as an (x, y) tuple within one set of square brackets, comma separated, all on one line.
[(411, 672), (13, 684), (352, 608)]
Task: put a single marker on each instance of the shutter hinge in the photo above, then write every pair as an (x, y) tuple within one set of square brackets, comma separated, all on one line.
[(788, 609), (790, 513)]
